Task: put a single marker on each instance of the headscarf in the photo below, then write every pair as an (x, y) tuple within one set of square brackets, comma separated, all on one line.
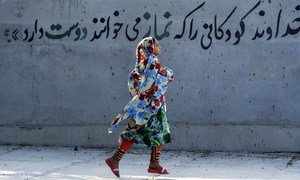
[(147, 87), (144, 49)]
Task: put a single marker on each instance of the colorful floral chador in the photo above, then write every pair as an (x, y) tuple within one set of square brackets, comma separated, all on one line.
[(146, 111)]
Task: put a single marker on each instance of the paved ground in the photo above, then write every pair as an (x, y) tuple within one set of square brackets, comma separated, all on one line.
[(42, 162)]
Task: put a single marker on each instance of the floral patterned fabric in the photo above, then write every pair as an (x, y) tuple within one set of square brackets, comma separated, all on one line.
[(145, 112), (155, 132)]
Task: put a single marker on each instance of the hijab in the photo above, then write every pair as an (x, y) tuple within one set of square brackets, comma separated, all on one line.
[(147, 87), (144, 50)]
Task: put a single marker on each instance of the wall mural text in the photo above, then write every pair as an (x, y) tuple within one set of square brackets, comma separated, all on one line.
[(210, 32)]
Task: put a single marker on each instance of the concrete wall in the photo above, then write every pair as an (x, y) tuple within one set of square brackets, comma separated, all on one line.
[(235, 89)]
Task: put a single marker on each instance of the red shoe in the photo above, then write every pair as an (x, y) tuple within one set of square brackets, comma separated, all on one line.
[(113, 167), (158, 169)]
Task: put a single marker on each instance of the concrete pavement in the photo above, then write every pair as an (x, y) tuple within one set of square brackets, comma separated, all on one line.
[(47, 162)]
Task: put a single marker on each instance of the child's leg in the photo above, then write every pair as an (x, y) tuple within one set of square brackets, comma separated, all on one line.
[(113, 162), (154, 166), (124, 146), (155, 154)]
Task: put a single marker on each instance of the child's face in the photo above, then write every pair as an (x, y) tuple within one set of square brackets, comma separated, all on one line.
[(156, 49)]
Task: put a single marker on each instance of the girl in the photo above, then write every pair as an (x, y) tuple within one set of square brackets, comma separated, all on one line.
[(146, 112)]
